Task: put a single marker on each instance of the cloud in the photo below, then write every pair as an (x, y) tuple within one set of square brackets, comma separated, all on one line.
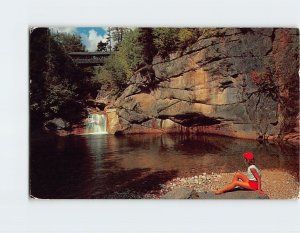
[(69, 30), (89, 38), (92, 39)]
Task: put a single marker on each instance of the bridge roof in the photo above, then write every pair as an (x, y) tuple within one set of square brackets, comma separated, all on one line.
[(90, 53)]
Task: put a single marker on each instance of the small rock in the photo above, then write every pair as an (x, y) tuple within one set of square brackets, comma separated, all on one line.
[(181, 193)]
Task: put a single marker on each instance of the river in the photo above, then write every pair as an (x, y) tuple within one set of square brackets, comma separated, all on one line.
[(108, 166)]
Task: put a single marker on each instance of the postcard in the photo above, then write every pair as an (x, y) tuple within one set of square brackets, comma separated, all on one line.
[(164, 113)]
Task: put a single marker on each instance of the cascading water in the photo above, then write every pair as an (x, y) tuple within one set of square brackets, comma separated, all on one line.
[(96, 124)]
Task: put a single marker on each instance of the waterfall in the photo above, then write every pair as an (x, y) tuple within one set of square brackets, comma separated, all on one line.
[(96, 124)]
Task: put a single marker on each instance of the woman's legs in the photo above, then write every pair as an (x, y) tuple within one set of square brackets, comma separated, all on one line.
[(232, 186), (240, 176), (244, 183)]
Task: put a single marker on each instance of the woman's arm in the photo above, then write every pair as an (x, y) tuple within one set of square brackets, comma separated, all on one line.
[(257, 177)]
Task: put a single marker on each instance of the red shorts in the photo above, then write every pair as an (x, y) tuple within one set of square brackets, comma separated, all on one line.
[(253, 184)]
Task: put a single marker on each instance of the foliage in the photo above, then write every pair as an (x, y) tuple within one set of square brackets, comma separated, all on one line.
[(118, 33), (168, 40), (146, 43), (69, 42), (131, 51), (57, 85), (102, 46), (114, 73), (58, 93), (121, 65)]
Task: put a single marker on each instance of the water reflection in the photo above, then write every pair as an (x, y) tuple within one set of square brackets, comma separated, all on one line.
[(106, 166)]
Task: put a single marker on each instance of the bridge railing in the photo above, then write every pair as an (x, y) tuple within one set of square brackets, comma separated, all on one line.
[(88, 60), (92, 58)]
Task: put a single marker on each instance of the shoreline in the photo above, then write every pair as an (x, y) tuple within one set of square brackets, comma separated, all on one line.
[(276, 184)]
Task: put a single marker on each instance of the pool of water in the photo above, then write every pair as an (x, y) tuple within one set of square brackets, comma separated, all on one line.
[(107, 166)]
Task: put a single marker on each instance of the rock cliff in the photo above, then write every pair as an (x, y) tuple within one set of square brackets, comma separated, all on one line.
[(236, 82)]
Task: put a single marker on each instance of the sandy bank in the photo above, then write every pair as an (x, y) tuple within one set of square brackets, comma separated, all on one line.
[(276, 184)]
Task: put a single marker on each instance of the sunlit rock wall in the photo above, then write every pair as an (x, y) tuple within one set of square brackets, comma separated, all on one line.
[(236, 82)]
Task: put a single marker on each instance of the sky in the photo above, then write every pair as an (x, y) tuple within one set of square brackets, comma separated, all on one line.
[(90, 36)]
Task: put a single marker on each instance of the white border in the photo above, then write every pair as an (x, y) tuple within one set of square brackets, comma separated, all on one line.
[(20, 214)]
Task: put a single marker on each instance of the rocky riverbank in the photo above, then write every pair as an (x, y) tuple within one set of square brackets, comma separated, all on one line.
[(276, 184)]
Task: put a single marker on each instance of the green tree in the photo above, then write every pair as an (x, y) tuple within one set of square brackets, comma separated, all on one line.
[(38, 65), (69, 42), (118, 33), (168, 40), (116, 36), (122, 64), (102, 46), (57, 85), (145, 40)]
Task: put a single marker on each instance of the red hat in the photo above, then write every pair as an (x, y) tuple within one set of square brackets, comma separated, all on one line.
[(248, 155)]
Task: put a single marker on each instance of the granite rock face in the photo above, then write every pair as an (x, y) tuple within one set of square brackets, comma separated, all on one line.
[(235, 82)]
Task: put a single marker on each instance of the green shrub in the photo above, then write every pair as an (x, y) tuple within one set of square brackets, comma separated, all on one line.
[(168, 40)]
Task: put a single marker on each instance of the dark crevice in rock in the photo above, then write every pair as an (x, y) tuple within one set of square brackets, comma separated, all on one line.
[(194, 119), (225, 84), (133, 94), (190, 52), (246, 30), (217, 59), (169, 106), (274, 123), (273, 35), (213, 59), (139, 122), (179, 74), (177, 88), (271, 47), (258, 101), (220, 36), (235, 75), (193, 101)]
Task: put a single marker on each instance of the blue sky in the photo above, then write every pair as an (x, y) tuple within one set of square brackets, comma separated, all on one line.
[(90, 36)]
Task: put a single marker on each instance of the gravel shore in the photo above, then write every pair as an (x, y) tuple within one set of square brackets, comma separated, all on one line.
[(276, 184)]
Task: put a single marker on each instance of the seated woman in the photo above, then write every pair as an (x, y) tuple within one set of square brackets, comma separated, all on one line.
[(252, 181)]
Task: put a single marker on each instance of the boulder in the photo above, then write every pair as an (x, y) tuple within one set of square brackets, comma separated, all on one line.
[(56, 124), (112, 121), (238, 194), (181, 193)]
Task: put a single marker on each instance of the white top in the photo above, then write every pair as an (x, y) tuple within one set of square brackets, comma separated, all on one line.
[(250, 174)]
